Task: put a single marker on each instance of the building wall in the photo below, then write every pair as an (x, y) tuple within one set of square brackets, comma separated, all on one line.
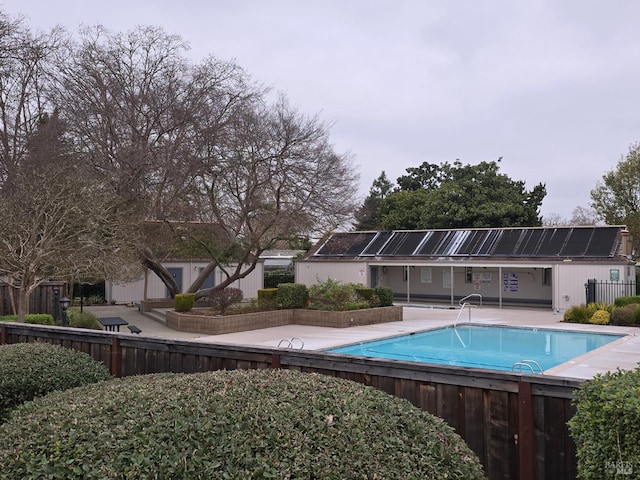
[(434, 282), (559, 285), (308, 273), (570, 279), (135, 291)]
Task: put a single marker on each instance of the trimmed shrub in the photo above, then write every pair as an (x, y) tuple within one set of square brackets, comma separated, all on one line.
[(622, 301), (357, 306), (30, 370), (600, 317), (267, 298), (183, 302), (334, 295), (222, 299), (292, 295), (605, 426), (202, 425), (84, 319), (365, 293), (385, 294), (626, 316), (33, 318), (578, 314)]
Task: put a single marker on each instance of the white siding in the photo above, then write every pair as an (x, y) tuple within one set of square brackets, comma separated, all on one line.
[(135, 291), (570, 279), (309, 273)]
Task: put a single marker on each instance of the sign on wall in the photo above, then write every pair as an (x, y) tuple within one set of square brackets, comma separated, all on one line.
[(510, 282), (481, 280), (425, 275), (614, 275)]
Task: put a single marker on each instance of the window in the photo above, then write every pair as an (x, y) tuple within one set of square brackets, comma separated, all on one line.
[(546, 276)]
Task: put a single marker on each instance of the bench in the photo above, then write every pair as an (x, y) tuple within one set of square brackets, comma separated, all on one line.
[(134, 329)]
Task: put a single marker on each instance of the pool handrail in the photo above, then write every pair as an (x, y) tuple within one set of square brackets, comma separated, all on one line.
[(527, 363), (464, 300)]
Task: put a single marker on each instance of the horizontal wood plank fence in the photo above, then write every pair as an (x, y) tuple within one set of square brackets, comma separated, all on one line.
[(516, 423)]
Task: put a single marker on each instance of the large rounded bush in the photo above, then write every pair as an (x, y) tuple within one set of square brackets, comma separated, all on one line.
[(29, 370), (605, 426), (231, 424)]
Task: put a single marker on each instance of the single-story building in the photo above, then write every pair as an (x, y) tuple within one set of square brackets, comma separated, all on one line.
[(543, 266), (185, 273)]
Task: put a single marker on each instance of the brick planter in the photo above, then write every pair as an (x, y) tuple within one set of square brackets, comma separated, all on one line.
[(210, 325)]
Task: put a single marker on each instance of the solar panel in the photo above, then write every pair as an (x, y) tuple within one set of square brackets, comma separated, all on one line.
[(530, 243), (552, 242), (350, 244), (512, 242), (577, 242), (602, 242), (472, 242), (445, 244), (403, 243), (378, 242), (432, 241), (507, 242), (486, 247)]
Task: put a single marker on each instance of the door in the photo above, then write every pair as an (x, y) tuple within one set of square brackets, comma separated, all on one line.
[(176, 273), (373, 283)]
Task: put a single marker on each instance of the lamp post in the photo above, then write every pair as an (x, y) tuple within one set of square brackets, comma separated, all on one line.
[(64, 303), (56, 293)]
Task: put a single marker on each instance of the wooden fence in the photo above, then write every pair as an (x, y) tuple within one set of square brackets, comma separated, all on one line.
[(42, 300), (516, 423)]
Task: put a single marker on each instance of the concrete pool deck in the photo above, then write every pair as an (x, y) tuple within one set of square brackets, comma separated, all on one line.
[(623, 353)]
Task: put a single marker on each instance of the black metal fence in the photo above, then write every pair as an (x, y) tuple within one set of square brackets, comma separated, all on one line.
[(607, 292)]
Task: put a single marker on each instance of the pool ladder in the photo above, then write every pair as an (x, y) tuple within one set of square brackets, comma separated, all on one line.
[(289, 343), (530, 364), (464, 304)]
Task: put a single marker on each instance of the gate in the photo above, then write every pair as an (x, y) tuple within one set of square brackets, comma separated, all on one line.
[(607, 292)]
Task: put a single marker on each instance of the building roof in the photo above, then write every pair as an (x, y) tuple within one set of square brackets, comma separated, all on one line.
[(535, 243)]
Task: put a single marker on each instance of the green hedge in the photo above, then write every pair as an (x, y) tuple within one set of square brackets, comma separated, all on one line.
[(183, 302), (629, 315), (622, 301), (231, 424), (33, 318), (29, 370), (267, 297), (292, 295), (605, 426), (385, 294), (84, 319)]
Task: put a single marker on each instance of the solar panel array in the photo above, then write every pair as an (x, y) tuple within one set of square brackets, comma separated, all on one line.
[(503, 242)]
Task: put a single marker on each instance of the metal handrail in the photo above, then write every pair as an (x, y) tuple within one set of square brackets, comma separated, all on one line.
[(289, 343), (527, 363), (463, 300)]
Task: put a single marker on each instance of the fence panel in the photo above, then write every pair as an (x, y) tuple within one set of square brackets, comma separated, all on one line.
[(492, 411), (607, 292)]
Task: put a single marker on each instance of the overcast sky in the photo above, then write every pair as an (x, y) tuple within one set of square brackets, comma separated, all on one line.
[(552, 86)]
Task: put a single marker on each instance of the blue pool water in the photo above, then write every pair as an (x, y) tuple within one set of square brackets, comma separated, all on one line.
[(495, 348)]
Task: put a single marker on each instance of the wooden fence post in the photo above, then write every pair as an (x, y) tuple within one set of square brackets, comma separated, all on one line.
[(275, 360), (526, 432), (116, 358)]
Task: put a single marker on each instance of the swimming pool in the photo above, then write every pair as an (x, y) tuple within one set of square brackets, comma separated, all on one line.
[(479, 346)]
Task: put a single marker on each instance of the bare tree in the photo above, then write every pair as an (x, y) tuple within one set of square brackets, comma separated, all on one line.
[(54, 222), (200, 143)]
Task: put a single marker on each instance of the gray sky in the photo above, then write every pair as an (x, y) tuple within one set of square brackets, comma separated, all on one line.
[(552, 86)]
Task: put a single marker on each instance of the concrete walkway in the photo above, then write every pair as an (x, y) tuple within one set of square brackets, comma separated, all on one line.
[(623, 353)]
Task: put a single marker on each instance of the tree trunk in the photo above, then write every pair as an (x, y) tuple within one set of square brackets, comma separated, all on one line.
[(150, 261), (228, 281), (197, 283), (23, 303)]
